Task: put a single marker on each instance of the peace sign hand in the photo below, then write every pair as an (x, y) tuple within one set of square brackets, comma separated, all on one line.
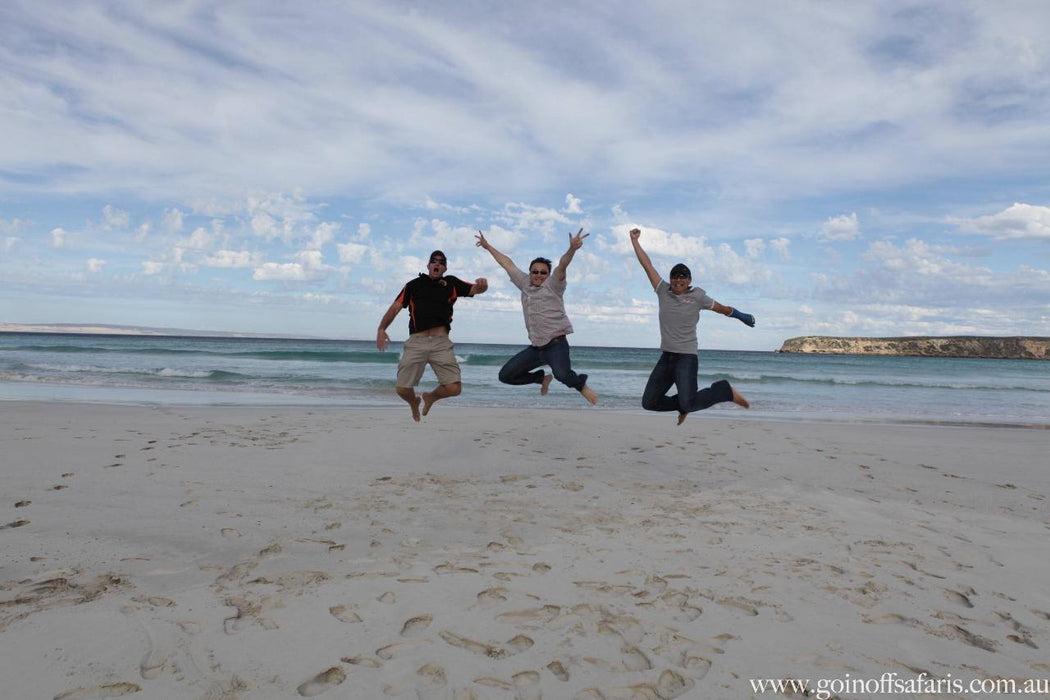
[(576, 242)]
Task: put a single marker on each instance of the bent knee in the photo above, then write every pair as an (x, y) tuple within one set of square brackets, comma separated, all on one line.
[(454, 389)]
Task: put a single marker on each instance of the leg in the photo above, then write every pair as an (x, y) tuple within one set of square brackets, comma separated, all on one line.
[(558, 356), (521, 369), (409, 395), (441, 391), (654, 397), (410, 370), (443, 362), (718, 392)]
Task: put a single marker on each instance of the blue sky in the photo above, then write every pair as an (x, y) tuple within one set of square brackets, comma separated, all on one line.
[(841, 168)]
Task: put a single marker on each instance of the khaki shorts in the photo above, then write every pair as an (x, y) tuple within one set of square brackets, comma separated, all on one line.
[(421, 349)]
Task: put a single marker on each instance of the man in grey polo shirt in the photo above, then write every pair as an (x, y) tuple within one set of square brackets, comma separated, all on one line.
[(541, 301), (680, 306)]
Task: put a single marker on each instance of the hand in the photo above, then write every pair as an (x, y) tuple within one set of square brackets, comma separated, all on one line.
[(482, 243), (382, 340), (480, 285), (746, 319), (636, 234), (576, 242)]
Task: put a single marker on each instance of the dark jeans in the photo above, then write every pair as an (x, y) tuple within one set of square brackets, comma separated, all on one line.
[(680, 370), (521, 369)]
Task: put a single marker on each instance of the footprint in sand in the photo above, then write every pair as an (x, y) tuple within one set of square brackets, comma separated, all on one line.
[(513, 646), (322, 682), (394, 650), (98, 692), (22, 504), (230, 532), (341, 613), (558, 670), (416, 625), (492, 596)]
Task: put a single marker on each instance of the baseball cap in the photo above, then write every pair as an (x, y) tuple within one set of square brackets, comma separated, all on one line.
[(680, 270)]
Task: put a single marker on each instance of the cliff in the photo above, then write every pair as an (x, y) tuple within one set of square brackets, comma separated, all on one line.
[(1013, 348)]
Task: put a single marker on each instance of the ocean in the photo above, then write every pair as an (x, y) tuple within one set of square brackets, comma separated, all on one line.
[(192, 370)]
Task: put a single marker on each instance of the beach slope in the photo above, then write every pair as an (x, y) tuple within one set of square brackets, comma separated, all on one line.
[(296, 552)]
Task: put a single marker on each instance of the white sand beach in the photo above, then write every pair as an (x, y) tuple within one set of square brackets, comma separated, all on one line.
[(296, 552)]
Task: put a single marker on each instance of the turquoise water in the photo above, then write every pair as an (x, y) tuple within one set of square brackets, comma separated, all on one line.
[(241, 371)]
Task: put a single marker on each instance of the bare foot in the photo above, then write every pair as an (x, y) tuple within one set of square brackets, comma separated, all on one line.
[(414, 404), (547, 378), (429, 399), (740, 400), (588, 393), (681, 417)]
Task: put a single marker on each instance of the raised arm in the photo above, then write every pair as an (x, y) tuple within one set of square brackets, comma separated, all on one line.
[(503, 259), (643, 258), (382, 339), (575, 243), (746, 319), (479, 287)]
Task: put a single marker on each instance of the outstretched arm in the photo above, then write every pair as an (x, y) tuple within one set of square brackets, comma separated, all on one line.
[(575, 243), (643, 258), (480, 285), (746, 319), (382, 339), (502, 258)]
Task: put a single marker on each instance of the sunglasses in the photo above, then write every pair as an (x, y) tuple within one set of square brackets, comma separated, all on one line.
[(539, 272), (438, 261), (679, 276)]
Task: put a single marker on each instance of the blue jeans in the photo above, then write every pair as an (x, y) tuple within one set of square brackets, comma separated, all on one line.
[(521, 369), (680, 370)]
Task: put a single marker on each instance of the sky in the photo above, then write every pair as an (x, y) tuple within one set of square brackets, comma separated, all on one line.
[(834, 168)]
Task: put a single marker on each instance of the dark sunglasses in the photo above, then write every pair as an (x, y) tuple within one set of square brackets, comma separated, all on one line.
[(539, 272), (439, 261), (679, 276)]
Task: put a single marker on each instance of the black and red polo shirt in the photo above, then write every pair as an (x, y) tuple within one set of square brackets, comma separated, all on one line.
[(429, 302)]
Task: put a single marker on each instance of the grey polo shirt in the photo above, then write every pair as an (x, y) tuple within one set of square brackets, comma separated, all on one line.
[(679, 316), (543, 306)]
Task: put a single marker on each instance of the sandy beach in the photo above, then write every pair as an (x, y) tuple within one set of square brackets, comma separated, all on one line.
[(248, 552)]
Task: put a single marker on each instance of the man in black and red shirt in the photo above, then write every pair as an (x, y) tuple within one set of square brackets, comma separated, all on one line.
[(429, 299)]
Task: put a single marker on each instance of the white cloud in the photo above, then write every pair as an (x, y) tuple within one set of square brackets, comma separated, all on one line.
[(151, 267), (310, 267), (200, 239), (58, 238), (173, 220), (572, 204), (142, 232), (11, 241), (113, 218), (363, 232), (351, 253), (781, 245), (95, 264), (11, 226), (230, 259), (281, 272), (841, 228), (1016, 221), (323, 235), (755, 247)]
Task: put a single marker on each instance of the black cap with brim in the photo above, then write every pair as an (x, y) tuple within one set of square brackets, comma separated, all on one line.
[(438, 254), (680, 270)]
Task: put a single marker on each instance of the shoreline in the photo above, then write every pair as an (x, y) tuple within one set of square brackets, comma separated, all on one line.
[(299, 552), (396, 405)]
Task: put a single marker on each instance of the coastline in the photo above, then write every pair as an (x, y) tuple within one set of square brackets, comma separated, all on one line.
[(264, 551)]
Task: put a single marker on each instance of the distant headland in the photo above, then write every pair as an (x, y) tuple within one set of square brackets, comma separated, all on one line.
[(1005, 348)]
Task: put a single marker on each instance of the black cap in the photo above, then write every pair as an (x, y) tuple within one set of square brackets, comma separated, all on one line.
[(680, 270), (440, 256)]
